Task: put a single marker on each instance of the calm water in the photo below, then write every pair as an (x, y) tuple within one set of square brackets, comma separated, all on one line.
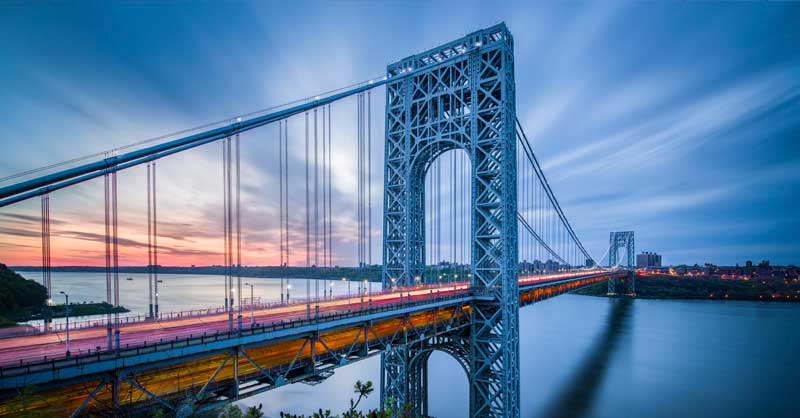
[(581, 356), (181, 291), (590, 357)]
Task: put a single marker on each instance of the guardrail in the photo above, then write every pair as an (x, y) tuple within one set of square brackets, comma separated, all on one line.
[(197, 313), (26, 367)]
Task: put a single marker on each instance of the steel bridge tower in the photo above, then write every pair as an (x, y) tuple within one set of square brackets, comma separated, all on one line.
[(624, 240), (460, 95)]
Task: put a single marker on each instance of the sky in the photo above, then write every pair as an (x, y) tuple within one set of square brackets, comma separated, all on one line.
[(679, 121)]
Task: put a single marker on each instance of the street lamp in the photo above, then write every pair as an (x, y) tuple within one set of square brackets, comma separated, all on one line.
[(330, 293), (252, 305), (288, 287), (66, 296)]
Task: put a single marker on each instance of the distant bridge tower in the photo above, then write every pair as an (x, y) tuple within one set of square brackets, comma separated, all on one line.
[(624, 240), (460, 95)]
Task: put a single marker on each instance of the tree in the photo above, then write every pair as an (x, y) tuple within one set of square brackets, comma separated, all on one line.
[(362, 390), (158, 413), (231, 411), (254, 412)]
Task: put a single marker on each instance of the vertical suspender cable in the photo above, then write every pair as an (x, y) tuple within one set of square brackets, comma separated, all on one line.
[(47, 240), (109, 292), (238, 233), (286, 190), (155, 245), (46, 278), (225, 219), (439, 213), (324, 193), (282, 237), (330, 180), (316, 207), (369, 178), (229, 182), (453, 207), (360, 179), (308, 218), (44, 245), (116, 248), (149, 246)]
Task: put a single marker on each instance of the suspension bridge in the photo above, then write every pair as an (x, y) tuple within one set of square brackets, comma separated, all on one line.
[(471, 231)]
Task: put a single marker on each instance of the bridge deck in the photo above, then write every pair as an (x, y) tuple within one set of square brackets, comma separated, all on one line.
[(171, 357)]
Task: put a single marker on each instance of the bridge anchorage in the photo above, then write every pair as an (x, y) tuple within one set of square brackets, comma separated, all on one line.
[(458, 96)]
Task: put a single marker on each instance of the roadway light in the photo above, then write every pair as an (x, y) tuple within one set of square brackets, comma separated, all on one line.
[(66, 306), (478, 44)]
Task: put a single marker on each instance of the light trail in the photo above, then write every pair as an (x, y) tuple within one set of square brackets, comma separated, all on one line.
[(52, 345)]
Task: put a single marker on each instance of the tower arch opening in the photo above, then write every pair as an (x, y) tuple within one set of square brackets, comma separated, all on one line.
[(448, 214)]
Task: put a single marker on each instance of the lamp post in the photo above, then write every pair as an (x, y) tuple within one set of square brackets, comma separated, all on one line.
[(330, 292), (66, 296), (252, 305), (288, 287), (348, 289)]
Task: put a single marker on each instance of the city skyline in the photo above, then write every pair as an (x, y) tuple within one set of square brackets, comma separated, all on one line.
[(678, 137)]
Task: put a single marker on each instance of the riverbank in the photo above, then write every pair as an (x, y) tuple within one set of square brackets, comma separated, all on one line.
[(705, 287), (23, 300), (18, 294)]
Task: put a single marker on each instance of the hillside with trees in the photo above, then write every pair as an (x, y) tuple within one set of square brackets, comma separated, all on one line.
[(18, 294)]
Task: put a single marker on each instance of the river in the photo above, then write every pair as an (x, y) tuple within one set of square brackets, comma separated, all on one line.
[(581, 356)]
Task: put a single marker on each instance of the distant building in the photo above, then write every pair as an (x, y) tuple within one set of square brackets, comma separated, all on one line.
[(648, 259)]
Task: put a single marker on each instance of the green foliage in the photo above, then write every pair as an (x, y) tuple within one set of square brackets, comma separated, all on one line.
[(81, 309), (363, 390), (17, 292), (158, 413), (231, 411), (254, 412), (704, 287)]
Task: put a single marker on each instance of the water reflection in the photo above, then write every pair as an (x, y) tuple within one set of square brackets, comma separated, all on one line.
[(577, 395)]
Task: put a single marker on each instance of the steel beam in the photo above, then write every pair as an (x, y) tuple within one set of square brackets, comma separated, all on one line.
[(459, 96)]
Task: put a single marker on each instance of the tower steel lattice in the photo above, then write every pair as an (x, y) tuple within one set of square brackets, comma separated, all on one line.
[(459, 95), (621, 240)]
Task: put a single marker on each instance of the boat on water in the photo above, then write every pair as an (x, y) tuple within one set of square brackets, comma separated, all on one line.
[(129, 278)]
